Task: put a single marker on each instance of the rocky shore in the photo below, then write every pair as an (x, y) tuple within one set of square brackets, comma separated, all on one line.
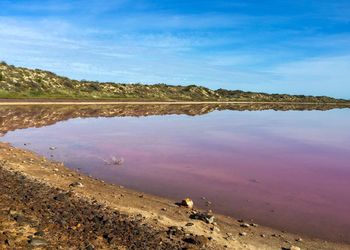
[(44, 205)]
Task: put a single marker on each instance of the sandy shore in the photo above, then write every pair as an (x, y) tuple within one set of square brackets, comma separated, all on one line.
[(44, 205)]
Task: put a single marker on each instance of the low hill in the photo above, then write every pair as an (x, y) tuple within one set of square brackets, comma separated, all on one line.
[(24, 83)]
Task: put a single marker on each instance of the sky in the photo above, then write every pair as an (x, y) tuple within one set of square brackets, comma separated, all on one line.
[(294, 47)]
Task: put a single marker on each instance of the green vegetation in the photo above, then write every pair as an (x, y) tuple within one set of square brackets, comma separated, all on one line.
[(23, 83)]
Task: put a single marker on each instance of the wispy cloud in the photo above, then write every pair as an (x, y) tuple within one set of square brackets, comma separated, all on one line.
[(217, 45)]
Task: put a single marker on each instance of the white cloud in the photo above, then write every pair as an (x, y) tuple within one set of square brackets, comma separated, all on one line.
[(170, 57)]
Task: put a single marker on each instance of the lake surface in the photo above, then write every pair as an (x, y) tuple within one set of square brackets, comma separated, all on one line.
[(285, 169)]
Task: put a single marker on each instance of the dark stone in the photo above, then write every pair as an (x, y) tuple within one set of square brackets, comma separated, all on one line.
[(198, 240), (39, 233)]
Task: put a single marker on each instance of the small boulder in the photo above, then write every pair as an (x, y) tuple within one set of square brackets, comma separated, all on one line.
[(187, 203), (76, 184)]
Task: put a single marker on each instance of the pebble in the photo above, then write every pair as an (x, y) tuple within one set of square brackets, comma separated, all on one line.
[(76, 184), (245, 225), (215, 229), (39, 233), (36, 242), (208, 218), (90, 247), (294, 248), (196, 240)]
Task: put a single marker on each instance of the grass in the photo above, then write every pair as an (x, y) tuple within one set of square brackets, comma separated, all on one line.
[(24, 83)]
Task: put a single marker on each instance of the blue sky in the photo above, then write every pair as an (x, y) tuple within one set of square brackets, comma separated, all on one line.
[(298, 47)]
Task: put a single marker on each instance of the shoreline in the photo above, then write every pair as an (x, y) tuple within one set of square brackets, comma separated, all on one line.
[(159, 215), (111, 102)]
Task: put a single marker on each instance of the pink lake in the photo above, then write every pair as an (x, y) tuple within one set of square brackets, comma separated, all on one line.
[(284, 169)]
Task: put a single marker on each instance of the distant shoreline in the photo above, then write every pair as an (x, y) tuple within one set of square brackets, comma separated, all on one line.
[(103, 102)]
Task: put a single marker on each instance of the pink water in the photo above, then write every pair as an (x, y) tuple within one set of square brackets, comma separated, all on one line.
[(288, 170)]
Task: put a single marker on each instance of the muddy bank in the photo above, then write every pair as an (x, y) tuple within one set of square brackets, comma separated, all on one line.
[(44, 204)]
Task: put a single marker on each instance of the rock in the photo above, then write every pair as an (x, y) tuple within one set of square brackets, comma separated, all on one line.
[(36, 242), (164, 209), (187, 203), (39, 233), (55, 169), (254, 225), (174, 231), (90, 247), (189, 224), (245, 225), (291, 248), (9, 242), (242, 233), (198, 240), (52, 148), (262, 235), (299, 239), (76, 184), (208, 218), (118, 161), (114, 161), (215, 229)]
